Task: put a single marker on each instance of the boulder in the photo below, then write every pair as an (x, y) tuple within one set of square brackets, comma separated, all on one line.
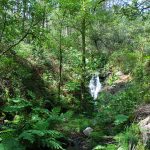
[(144, 126), (142, 112)]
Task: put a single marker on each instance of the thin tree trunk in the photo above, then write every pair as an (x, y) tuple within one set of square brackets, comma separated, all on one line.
[(60, 62), (44, 17), (24, 14), (4, 26), (18, 5), (83, 64), (60, 56)]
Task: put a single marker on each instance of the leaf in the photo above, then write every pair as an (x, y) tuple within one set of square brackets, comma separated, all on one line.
[(55, 111), (11, 144), (99, 147), (16, 100), (53, 133), (54, 144), (119, 119), (41, 125), (27, 136), (2, 147)]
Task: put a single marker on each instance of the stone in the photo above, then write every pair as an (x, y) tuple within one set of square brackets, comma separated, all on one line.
[(119, 73), (144, 126), (87, 131)]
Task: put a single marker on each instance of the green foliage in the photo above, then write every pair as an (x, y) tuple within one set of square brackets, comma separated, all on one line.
[(42, 122), (109, 147), (9, 140), (17, 105), (46, 138), (72, 86), (125, 60), (140, 146), (38, 127), (122, 102), (99, 147), (76, 124), (41, 48), (119, 119), (112, 79), (97, 136), (130, 136)]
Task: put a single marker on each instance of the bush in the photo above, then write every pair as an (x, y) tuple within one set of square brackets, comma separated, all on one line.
[(124, 60), (35, 126), (129, 138)]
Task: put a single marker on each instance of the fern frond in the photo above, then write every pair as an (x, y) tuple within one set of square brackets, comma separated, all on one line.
[(52, 143), (27, 136), (53, 133)]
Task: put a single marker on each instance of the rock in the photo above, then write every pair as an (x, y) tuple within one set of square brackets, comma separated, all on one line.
[(119, 73), (78, 141), (87, 131), (119, 84), (123, 79), (142, 112), (144, 126)]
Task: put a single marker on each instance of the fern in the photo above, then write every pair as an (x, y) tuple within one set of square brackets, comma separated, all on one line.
[(57, 118), (26, 135), (131, 135), (119, 119), (52, 143), (17, 105), (38, 127), (41, 124), (53, 133), (31, 134), (46, 138), (9, 141), (12, 144)]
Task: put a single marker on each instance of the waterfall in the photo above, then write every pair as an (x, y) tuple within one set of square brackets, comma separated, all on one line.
[(95, 86)]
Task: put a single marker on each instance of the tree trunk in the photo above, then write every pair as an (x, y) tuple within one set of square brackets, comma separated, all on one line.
[(44, 17), (60, 62), (83, 65), (18, 6), (24, 14)]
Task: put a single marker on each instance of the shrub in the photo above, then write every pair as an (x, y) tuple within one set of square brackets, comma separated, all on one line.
[(35, 126), (129, 138)]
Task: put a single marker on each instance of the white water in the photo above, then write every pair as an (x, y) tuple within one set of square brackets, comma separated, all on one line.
[(95, 86)]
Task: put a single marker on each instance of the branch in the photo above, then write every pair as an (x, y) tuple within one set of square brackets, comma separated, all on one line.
[(15, 43), (98, 3), (140, 4), (145, 8), (22, 38)]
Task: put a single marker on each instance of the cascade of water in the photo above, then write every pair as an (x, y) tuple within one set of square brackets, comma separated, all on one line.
[(95, 86)]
